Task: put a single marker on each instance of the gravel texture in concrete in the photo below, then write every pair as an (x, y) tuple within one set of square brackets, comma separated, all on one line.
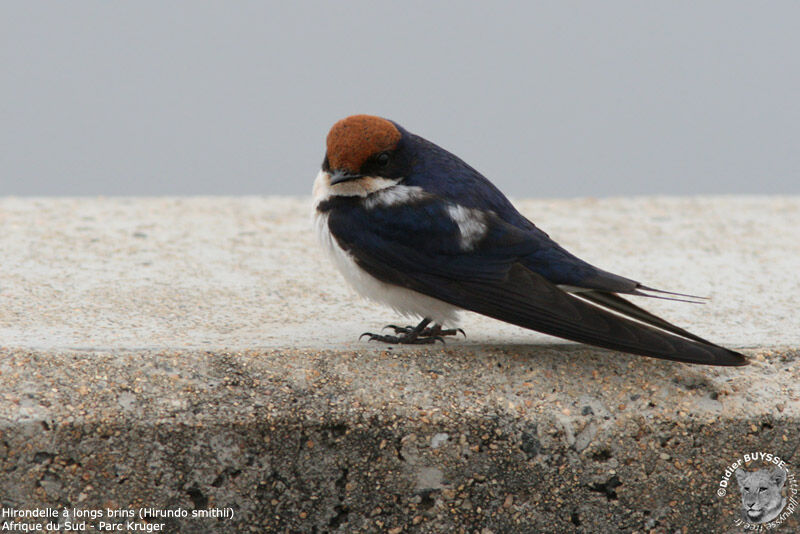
[(201, 354)]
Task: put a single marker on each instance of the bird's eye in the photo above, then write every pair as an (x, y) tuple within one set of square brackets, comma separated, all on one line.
[(383, 159)]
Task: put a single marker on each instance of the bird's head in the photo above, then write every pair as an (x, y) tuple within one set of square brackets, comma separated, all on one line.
[(364, 154)]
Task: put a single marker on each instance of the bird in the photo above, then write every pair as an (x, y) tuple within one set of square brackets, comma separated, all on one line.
[(412, 226)]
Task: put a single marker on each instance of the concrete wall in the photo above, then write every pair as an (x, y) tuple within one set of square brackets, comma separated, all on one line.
[(200, 354)]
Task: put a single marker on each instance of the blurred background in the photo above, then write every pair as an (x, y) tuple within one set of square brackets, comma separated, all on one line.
[(548, 99)]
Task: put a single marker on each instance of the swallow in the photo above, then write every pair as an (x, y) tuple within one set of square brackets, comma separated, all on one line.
[(412, 226)]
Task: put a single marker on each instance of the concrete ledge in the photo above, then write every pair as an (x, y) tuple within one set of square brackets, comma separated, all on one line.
[(199, 353)]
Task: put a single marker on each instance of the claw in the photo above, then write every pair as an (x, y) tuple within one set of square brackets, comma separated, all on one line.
[(384, 339), (414, 335)]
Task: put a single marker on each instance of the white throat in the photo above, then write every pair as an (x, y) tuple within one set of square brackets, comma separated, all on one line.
[(354, 188)]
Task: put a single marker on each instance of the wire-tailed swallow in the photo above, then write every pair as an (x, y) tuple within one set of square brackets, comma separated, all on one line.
[(411, 225)]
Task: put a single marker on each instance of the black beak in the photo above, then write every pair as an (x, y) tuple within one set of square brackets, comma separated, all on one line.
[(338, 177)]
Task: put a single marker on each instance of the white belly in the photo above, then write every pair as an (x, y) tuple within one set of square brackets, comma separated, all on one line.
[(404, 301)]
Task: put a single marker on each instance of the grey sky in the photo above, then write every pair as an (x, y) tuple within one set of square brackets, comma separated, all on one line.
[(545, 98)]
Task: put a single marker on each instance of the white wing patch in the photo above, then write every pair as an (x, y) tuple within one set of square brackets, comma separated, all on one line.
[(471, 224)]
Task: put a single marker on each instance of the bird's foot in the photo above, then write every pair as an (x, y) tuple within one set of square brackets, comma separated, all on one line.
[(405, 339), (427, 332), (415, 335)]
